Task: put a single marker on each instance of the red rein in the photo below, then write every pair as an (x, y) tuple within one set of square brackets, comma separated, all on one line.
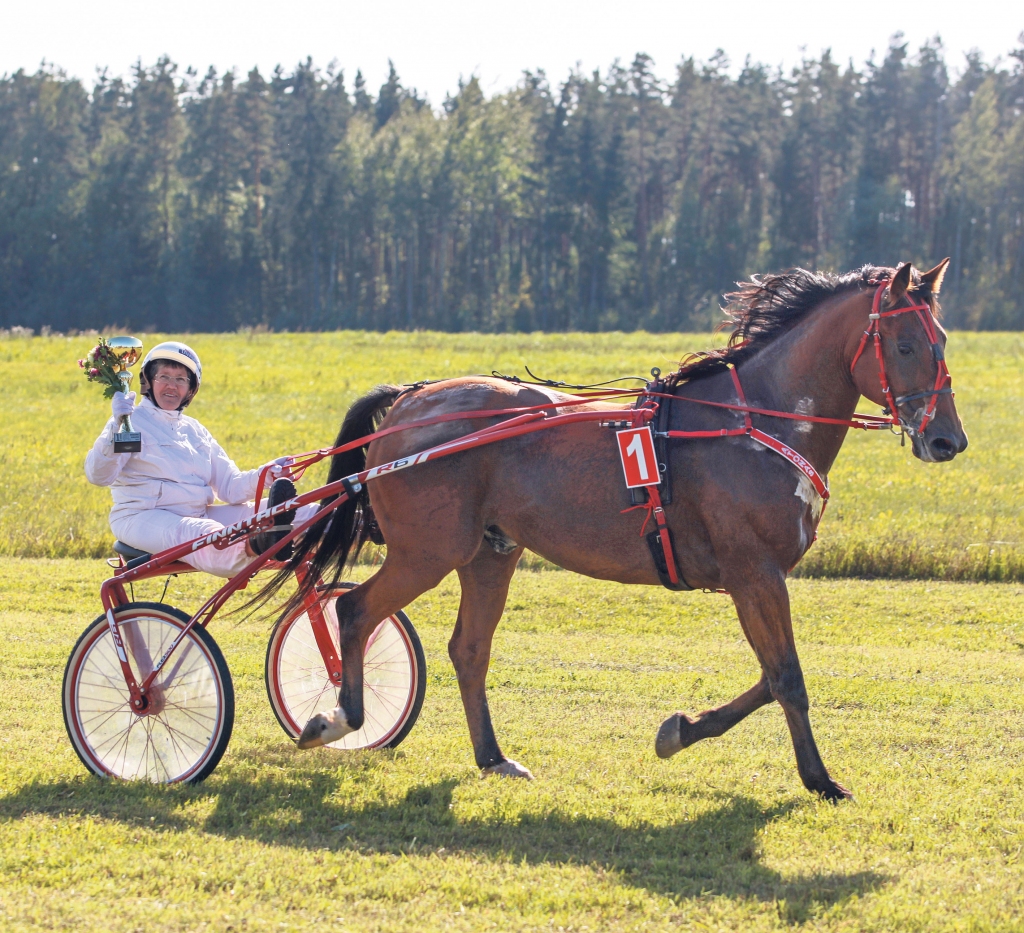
[(864, 422)]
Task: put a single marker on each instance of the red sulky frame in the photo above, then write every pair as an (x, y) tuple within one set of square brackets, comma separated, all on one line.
[(526, 420), (112, 591)]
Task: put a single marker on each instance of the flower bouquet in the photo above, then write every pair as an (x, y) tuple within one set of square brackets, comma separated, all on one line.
[(107, 363), (101, 365)]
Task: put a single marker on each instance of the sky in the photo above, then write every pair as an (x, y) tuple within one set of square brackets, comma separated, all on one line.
[(435, 44)]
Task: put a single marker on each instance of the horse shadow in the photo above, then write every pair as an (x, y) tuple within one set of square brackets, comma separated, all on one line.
[(714, 854)]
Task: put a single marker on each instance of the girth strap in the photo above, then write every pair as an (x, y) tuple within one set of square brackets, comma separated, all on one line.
[(660, 543)]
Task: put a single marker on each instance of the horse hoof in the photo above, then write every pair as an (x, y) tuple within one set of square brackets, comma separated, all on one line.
[(507, 768), (670, 736), (324, 728), (834, 792)]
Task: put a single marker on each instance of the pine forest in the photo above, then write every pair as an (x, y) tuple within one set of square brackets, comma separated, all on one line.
[(613, 200)]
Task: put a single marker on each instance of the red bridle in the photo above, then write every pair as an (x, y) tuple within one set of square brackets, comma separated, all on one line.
[(943, 381)]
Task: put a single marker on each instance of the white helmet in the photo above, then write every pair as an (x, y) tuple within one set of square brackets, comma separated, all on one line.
[(180, 353)]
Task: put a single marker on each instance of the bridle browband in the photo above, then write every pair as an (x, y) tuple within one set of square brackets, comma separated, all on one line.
[(943, 380)]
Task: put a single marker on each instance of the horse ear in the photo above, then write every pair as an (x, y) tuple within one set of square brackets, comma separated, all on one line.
[(899, 284), (933, 277)]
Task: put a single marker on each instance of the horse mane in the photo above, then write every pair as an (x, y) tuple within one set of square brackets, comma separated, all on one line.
[(767, 306)]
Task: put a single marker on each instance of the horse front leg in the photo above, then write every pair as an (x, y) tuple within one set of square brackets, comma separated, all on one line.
[(485, 581), (679, 731), (762, 602)]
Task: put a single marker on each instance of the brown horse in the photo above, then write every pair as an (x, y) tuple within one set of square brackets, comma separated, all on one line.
[(741, 516)]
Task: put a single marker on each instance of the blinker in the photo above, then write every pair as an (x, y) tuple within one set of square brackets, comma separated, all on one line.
[(938, 353)]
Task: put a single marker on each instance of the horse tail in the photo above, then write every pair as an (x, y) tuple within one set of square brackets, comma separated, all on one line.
[(336, 539)]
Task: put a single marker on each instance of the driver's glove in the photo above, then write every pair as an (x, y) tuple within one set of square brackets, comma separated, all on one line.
[(122, 404)]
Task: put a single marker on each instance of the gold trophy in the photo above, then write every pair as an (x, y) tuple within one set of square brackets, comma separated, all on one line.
[(127, 350)]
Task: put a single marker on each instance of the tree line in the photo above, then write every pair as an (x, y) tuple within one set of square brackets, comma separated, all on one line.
[(610, 200)]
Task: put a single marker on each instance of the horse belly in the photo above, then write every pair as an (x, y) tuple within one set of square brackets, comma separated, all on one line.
[(559, 492)]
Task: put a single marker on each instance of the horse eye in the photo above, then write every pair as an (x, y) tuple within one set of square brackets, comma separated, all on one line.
[(905, 349)]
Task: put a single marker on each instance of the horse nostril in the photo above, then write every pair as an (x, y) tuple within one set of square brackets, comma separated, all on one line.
[(943, 448)]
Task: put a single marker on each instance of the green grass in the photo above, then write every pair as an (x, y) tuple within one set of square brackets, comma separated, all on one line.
[(268, 394), (917, 692)]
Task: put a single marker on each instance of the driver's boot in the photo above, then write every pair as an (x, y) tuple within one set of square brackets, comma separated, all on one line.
[(280, 491)]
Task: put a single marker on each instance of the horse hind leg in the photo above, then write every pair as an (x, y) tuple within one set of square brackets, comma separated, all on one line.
[(398, 582), (485, 581)]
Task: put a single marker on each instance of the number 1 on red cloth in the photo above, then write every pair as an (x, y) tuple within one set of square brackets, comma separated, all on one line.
[(639, 463)]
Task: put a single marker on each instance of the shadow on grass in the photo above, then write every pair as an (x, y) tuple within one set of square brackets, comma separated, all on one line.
[(713, 854)]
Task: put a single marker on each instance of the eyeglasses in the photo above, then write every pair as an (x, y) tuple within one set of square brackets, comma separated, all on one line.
[(179, 382)]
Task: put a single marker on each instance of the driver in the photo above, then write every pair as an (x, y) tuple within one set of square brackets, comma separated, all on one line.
[(164, 495)]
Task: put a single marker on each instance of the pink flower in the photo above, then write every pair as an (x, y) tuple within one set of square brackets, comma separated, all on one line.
[(81, 364), (94, 372)]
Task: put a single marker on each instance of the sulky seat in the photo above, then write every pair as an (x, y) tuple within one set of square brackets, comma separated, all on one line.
[(133, 557)]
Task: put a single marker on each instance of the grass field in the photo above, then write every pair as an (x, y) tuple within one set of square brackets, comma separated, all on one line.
[(268, 394), (917, 692)]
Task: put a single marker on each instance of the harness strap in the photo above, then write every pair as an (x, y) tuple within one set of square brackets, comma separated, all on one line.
[(865, 422), (772, 443), (662, 448), (747, 423), (637, 494), (900, 399), (660, 543), (800, 462), (660, 540)]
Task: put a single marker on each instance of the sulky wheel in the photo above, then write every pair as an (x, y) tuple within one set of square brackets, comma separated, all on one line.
[(394, 676), (186, 728)]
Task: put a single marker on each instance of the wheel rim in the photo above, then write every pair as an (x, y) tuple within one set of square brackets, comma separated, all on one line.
[(172, 742), (389, 679)]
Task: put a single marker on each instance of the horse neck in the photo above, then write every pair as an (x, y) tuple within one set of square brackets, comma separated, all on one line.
[(807, 370)]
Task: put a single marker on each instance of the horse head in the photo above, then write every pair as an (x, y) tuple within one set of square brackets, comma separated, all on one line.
[(907, 371)]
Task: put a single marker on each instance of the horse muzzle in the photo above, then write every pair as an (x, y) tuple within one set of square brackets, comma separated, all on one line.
[(938, 445)]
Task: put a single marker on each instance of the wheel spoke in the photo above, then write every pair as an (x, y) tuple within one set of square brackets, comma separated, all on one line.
[(180, 753), (387, 703), (111, 682), (368, 715), (397, 654), (199, 721), (103, 716)]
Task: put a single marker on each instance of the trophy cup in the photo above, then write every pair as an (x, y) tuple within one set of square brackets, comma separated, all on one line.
[(127, 350)]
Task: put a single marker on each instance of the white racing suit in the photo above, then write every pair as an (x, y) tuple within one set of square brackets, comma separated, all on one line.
[(164, 495)]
